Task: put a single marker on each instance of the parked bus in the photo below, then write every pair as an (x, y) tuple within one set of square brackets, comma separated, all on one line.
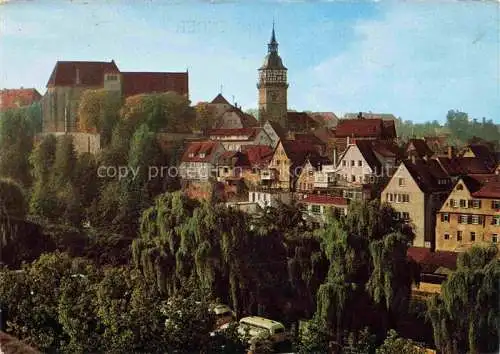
[(256, 326)]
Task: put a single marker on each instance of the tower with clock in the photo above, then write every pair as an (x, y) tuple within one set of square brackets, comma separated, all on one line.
[(273, 86)]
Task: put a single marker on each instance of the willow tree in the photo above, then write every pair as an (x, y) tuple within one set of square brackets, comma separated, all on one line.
[(213, 247), (368, 268), (465, 316)]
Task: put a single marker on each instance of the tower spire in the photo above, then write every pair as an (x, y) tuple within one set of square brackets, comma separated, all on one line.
[(273, 44)]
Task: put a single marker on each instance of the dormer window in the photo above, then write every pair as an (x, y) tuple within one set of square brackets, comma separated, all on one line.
[(191, 154), (202, 155)]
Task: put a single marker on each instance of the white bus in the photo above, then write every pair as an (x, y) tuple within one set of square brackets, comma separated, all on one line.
[(256, 326)]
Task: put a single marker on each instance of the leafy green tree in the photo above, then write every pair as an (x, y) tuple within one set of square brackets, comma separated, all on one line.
[(395, 344), (166, 111), (16, 143), (465, 316), (314, 337), (12, 200), (368, 272), (43, 201), (98, 112)]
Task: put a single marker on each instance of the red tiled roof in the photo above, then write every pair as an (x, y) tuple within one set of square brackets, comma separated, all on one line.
[(233, 158), (219, 99), (489, 190), (135, 83), (324, 199), (89, 73), (366, 128), (198, 147), (431, 261), (258, 155), (298, 151), (14, 98), (308, 138), (474, 165), (387, 149)]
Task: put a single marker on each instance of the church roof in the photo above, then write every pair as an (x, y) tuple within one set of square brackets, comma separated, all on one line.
[(135, 83), (219, 99), (89, 73)]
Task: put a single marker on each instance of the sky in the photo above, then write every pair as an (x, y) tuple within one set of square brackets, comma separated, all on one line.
[(414, 59)]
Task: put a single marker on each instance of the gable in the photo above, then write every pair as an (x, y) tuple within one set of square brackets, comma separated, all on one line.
[(353, 153), (460, 191), (402, 172)]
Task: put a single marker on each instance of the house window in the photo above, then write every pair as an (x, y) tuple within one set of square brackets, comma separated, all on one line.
[(278, 162), (310, 186), (401, 181), (352, 163), (445, 217), (459, 235), (446, 236), (191, 154), (344, 163), (310, 173), (475, 219), (460, 187), (202, 155), (494, 238), (360, 163), (316, 209), (463, 203), (495, 204), (495, 220), (472, 236), (406, 198), (463, 219), (453, 203), (253, 197), (226, 170), (476, 203), (353, 178), (390, 197), (406, 215)]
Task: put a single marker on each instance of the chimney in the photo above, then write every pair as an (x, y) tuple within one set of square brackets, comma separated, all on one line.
[(450, 152), (413, 158)]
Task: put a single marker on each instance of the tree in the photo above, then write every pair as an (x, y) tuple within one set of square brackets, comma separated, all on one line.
[(395, 344), (12, 200), (16, 143), (166, 111), (465, 316), (43, 201), (205, 116), (368, 272), (98, 112), (314, 337)]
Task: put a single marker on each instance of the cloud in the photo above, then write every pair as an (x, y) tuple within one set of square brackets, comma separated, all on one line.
[(417, 61)]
